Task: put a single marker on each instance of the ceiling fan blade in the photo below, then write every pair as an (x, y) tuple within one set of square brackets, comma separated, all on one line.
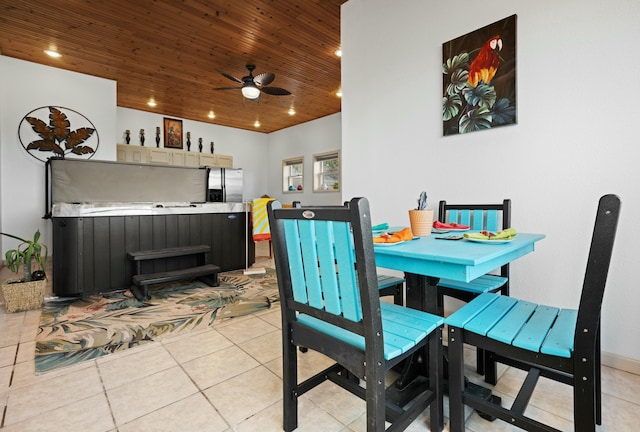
[(264, 79), (228, 88), (275, 91), (231, 77)]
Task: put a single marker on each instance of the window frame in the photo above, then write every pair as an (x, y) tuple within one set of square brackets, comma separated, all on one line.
[(287, 164), (318, 160)]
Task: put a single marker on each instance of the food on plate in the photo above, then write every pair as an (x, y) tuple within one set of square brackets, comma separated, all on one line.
[(506, 234), (402, 235), (451, 225)]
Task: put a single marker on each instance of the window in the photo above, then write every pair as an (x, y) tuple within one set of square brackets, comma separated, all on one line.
[(293, 174), (326, 172)]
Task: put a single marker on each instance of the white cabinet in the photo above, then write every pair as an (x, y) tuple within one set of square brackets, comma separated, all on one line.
[(216, 160), (131, 153), (207, 160), (191, 159), (159, 156), (224, 161), (165, 156)]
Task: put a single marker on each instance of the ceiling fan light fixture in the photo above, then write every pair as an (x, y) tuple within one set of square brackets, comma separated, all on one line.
[(250, 91)]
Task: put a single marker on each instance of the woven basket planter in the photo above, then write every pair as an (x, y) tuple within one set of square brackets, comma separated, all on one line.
[(23, 296)]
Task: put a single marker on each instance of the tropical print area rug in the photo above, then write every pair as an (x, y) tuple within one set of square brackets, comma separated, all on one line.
[(79, 329)]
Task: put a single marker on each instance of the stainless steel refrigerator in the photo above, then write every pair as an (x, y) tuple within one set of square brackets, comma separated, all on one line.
[(225, 184)]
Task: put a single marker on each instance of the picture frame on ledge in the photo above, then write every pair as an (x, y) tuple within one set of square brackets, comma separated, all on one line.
[(172, 133)]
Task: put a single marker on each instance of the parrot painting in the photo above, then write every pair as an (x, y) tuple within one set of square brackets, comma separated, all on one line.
[(485, 65)]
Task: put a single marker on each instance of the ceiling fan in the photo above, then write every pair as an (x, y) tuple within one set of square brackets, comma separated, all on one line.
[(252, 86)]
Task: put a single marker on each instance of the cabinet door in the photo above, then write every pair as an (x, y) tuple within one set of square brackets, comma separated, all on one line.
[(159, 156), (207, 160), (121, 153), (191, 159), (131, 153), (136, 154), (177, 158), (224, 161)]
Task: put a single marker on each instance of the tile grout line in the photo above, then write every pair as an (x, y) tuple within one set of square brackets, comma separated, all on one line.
[(201, 391), (106, 395)]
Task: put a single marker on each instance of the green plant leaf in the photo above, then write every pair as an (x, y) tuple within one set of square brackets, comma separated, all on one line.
[(458, 81), (458, 61), (502, 113), (475, 120), (451, 106), (481, 96)]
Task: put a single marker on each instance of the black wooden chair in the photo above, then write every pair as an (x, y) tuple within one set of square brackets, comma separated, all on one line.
[(490, 217), (330, 303), (563, 345)]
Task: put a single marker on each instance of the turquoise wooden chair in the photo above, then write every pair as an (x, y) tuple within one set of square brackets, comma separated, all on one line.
[(330, 303), (560, 344), (490, 217), (388, 285)]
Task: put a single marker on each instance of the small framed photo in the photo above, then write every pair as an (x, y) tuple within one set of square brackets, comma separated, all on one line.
[(172, 133)]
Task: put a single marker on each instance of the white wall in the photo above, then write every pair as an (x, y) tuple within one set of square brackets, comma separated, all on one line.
[(575, 139), (318, 136), (24, 87), (249, 149)]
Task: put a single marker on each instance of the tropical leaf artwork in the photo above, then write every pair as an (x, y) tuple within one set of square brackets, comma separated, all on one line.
[(57, 136), (478, 69)]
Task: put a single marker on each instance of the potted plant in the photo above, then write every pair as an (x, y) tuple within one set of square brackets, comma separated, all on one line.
[(28, 292), (421, 218)]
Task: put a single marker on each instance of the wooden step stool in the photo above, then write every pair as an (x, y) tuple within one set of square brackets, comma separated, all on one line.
[(207, 273)]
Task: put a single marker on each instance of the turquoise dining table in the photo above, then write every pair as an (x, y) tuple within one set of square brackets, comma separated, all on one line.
[(427, 259)]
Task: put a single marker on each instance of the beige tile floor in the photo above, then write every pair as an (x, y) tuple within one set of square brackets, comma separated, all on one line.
[(227, 378)]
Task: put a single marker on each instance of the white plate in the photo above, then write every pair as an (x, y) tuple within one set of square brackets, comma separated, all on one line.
[(488, 241), (388, 244), (458, 229)]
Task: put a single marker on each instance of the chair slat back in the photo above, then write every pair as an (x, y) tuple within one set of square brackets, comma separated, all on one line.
[(322, 267), (600, 251), (490, 217)]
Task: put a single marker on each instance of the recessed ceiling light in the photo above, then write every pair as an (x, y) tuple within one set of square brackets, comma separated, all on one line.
[(211, 115), (256, 124), (52, 53), (339, 93), (292, 111), (338, 52), (152, 102)]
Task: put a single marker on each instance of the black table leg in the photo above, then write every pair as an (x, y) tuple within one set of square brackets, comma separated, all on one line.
[(422, 294)]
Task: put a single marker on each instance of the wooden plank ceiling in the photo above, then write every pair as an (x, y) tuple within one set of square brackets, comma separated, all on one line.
[(171, 50)]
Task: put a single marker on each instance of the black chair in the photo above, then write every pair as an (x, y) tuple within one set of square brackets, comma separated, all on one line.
[(330, 303), (563, 345), (490, 217)]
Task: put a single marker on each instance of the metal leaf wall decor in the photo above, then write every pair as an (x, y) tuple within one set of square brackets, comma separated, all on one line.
[(56, 138)]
